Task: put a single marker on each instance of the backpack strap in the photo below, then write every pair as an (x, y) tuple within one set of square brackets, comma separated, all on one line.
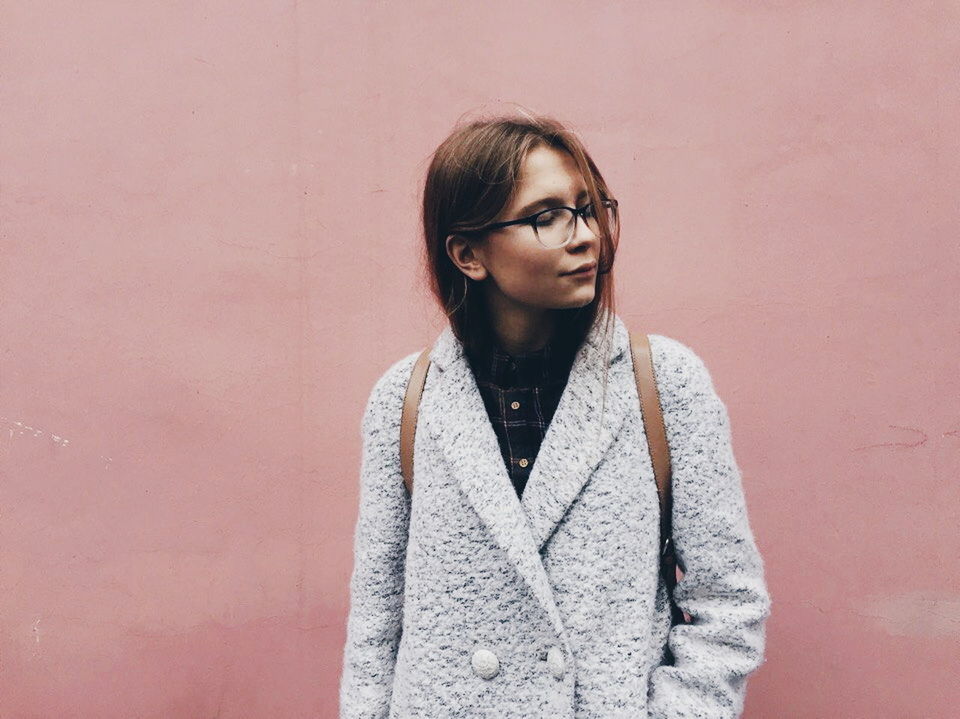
[(408, 416), (653, 425), (656, 431)]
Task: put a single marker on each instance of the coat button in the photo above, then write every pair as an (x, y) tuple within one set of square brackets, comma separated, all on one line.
[(555, 661), (485, 663)]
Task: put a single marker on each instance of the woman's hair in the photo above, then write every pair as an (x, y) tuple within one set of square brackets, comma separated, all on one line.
[(471, 178)]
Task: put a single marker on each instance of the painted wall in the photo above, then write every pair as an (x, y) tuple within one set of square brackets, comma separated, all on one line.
[(209, 253)]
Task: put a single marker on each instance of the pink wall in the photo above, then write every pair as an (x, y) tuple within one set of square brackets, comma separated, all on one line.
[(209, 254)]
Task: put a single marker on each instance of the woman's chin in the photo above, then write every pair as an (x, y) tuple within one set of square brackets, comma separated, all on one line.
[(580, 299)]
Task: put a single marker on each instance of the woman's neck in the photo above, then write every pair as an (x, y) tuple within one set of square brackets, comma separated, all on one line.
[(518, 333)]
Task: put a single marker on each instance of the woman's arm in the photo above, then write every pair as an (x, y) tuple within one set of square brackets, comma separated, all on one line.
[(380, 539), (723, 588)]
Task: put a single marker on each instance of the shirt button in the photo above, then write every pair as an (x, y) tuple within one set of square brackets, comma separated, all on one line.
[(523, 462), (515, 405)]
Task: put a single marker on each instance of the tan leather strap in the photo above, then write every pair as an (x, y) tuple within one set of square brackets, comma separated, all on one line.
[(408, 416), (656, 430), (653, 425)]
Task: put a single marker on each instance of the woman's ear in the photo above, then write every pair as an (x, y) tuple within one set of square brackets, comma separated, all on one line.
[(466, 257)]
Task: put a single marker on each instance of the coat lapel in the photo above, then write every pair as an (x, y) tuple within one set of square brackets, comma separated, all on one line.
[(578, 436), (576, 440)]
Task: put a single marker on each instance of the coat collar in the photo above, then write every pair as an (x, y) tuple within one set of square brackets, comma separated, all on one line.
[(575, 442)]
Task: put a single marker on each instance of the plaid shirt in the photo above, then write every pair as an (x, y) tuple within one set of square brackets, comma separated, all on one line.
[(521, 393)]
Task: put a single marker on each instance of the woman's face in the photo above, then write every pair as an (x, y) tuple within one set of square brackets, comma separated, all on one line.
[(519, 275)]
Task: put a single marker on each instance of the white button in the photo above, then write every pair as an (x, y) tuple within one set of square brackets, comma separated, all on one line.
[(485, 663), (555, 661)]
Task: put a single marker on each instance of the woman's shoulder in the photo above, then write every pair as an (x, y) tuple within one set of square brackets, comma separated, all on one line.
[(672, 354), (395, 376), (680, 370), (385, 400)]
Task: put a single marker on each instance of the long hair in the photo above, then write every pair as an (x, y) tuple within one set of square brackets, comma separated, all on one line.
[(471, 177)]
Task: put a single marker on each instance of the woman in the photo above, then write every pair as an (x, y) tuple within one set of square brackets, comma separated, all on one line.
[(507, 587)]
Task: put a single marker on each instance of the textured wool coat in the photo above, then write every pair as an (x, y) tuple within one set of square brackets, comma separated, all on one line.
[(467, 601)]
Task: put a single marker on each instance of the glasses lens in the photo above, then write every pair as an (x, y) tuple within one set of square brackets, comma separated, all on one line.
[(612, 220), (554, 227)]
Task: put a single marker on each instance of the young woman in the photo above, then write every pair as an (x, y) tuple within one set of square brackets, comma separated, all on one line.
[(521, 577)]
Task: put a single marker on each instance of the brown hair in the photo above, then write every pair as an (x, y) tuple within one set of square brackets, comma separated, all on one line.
[(471, 178)]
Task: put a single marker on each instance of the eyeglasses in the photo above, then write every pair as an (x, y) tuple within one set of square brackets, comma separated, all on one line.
[(555, 227)]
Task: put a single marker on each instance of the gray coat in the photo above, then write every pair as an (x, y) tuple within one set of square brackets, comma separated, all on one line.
[(468, 602)]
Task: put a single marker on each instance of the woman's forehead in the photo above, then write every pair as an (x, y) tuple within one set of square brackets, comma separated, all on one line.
[(548, 172)]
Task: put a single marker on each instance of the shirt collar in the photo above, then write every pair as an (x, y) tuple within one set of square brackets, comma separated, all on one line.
[(545, 366)]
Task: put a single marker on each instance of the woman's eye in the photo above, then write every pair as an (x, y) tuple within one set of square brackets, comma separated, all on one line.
[(547, 218)]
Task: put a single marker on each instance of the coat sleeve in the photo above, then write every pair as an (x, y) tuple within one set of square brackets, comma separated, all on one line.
[(723, 588), (375, 616)]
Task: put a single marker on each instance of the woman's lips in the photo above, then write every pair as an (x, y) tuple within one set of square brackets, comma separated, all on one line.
[(582, 273)]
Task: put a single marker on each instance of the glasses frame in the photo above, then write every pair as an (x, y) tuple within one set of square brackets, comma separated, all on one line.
[(578, 214)]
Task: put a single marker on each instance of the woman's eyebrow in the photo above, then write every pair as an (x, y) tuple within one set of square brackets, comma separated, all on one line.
[(551, 201)]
